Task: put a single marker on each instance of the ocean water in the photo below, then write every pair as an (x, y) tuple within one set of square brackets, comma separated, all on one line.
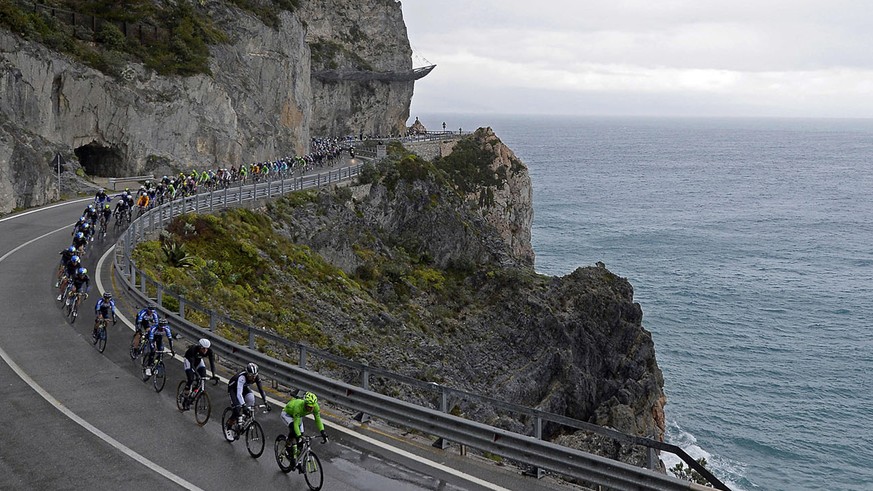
[(749, 244)]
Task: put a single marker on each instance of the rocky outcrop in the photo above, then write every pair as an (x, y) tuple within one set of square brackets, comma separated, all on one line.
[(260, 101), (571, 345)]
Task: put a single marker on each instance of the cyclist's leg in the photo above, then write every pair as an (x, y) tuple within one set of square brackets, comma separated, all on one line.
[(189, 374)]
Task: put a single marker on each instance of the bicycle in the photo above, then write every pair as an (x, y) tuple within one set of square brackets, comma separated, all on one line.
[(307, 463), (197, 398), (136, 345), (72, 302), (103, 224), (156, 369), (99, 339), (245, 425)]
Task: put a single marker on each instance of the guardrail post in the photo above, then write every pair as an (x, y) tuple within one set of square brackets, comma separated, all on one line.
[(318, 180), (538, 434), (160, 294), (142, 284), (363, 417), (132, 274), (225, 196), (282, 186), (302, 362), (211, 201), (181, 307), (652, 459), (171, 208), (441, 443), (213, 321), (251, 337)]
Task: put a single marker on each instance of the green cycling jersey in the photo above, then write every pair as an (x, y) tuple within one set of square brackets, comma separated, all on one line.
[(296, 409)]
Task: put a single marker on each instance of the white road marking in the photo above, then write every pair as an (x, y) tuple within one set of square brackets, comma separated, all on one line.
[(46, 208), (70, 414)]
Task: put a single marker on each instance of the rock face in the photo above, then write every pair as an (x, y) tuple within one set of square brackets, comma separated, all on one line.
[(571, 345), (260, 101)]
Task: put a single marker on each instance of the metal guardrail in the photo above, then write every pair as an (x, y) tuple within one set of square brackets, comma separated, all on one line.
[(524, 448), (113, 180)]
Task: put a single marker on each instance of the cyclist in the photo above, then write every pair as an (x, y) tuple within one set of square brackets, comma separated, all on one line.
[(104, 308), (122, 207), (105, 217), (194, 356), (78, 225), (66, 255), (81, 282), (101, 197), (293, 415), (69, 271), (147, 317), (79, 242), (240, 394), (143, 202), (156, 342), (91, 214)]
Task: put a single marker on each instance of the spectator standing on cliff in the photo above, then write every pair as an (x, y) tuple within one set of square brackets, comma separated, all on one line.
[(444, 126)]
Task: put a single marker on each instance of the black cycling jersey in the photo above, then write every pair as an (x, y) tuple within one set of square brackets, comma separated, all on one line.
[(194, 356)]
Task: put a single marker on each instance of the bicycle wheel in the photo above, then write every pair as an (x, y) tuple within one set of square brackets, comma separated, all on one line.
[(312, 471), (229, 434), (202, 408), (160, 376), (135, 345), (102, 335), (74, 309), (255, 439), (180, 396), (286, 463)]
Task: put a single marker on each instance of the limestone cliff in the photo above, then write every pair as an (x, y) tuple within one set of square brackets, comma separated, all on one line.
[(259, 102)]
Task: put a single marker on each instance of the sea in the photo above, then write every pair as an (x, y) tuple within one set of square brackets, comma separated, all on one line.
[(749, 244)]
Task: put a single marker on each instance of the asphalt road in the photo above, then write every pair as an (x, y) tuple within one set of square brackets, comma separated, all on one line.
[(75, 418)]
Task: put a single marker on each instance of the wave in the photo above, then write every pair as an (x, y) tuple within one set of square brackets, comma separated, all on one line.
[(730, 472)]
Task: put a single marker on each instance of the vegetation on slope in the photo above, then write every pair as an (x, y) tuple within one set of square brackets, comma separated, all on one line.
[(171, 38)]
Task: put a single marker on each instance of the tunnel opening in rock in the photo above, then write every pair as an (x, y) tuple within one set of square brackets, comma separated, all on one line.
[(98, 160)]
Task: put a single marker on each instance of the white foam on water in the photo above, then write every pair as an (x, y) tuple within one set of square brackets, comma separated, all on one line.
[(730, 472)]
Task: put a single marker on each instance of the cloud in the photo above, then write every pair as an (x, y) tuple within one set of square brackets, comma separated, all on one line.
[(776, 55)]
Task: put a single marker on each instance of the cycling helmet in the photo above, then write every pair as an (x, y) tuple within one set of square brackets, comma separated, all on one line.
[(151, 306), (85, 225), (79, 235), (162, 321), (83, 219), (310, 399), (75, 259), (204, 343), (107, 296), (106, 206), (91, 207), (251, 369), (71, 249), (81, 271)]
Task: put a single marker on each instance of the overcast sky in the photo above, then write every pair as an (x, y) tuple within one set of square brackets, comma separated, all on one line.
[(635, 57)]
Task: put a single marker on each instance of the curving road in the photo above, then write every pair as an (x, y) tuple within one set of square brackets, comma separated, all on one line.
[(73, 417)]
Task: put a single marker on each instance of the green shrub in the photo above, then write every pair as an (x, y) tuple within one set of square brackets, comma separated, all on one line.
[(111, 36)]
